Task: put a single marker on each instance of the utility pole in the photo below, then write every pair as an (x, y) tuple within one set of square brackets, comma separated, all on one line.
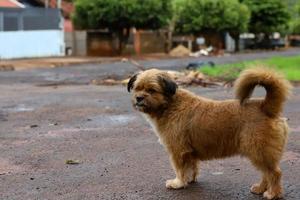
[(59, 4), (46, 3)]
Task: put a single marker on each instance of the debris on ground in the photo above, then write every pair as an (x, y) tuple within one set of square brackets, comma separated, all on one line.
[(196, 78), (180, 51), (134, 63), (125, 81), (202, 52), (197, 64), (108, 81), (175, 74), (53, 124), (72, 162), (185, 78), (6, 67)]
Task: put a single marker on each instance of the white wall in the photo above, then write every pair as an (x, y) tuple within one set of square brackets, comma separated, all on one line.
[(229, 43), (25, 44)]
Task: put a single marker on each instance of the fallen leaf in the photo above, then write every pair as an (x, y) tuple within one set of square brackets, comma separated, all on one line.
[(72, 162)]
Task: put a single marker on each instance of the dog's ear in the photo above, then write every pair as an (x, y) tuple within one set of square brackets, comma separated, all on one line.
[(131, 82), (168, 85)]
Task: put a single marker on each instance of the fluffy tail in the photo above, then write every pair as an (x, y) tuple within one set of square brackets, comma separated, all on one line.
[(277, 87)]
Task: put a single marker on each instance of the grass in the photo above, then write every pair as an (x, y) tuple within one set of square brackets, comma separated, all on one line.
[(290, 66)]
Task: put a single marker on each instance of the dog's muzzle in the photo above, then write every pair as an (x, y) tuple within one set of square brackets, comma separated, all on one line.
[(139, 102)]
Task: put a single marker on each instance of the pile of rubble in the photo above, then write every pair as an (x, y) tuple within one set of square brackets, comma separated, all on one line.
[(185, 78), (182, 51), (188, 78)]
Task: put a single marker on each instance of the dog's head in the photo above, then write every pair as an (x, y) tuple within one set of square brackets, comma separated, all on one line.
[(152, 90)]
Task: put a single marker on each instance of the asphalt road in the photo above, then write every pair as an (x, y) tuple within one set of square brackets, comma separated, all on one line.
[(119, 156), (83, 74)]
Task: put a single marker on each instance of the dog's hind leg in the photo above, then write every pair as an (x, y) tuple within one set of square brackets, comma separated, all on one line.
[(274, 190), (259, 188), (270, 185)]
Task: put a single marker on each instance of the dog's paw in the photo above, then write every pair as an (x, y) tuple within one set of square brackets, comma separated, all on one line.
[(193, 181), (271, 195), (257, 189), (174, 184)]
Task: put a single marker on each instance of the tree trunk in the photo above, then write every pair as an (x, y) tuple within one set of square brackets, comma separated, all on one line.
[(123, 39), (171, 28), (120, 39), (237, 43), (236, 38)]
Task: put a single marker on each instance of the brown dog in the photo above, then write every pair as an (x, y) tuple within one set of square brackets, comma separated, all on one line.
[(193, 128)]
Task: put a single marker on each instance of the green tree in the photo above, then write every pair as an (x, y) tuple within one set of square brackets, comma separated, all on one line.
[(295, 21), (268, 16), (211, 17), (118, 16)]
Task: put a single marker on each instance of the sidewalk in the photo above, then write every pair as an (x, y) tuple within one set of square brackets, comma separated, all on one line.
[(22, 64), (52, 62)]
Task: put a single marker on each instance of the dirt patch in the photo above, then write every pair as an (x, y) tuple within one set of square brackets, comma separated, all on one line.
[(6, 167), (6, 67)]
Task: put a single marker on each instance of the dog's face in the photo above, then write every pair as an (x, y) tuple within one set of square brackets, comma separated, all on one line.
[(152, 90)]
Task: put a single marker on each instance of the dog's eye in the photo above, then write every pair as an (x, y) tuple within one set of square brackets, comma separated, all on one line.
[(151, 91)]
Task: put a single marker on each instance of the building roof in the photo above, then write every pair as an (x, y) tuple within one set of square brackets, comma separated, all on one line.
[(66, 6), (11, 4)]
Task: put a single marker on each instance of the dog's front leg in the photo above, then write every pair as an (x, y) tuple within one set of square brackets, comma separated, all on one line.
[(178, 182), (184, 168)]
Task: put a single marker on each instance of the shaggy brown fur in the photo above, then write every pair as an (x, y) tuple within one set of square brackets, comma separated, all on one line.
[(193, 128)]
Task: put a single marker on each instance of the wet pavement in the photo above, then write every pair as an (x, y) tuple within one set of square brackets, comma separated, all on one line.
[(120, 158)]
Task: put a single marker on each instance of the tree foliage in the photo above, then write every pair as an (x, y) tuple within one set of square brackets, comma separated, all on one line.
[(295, 21), (197, 16), (268, 16), (118, 16), (121, 14)]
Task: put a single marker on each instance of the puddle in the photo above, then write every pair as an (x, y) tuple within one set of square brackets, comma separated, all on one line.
[(19, 142), (96, 123), (17, 108), (217, 173), (290, 156), (296, 129), (68, 131), (49, 76), (3, 117), (112, 120)]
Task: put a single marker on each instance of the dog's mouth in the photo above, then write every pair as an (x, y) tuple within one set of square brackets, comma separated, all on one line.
[(140, 106)]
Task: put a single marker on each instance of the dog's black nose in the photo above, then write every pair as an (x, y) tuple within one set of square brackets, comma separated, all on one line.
[(139, 99)]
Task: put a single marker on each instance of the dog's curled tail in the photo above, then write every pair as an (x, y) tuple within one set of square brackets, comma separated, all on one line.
[(277, 87)]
